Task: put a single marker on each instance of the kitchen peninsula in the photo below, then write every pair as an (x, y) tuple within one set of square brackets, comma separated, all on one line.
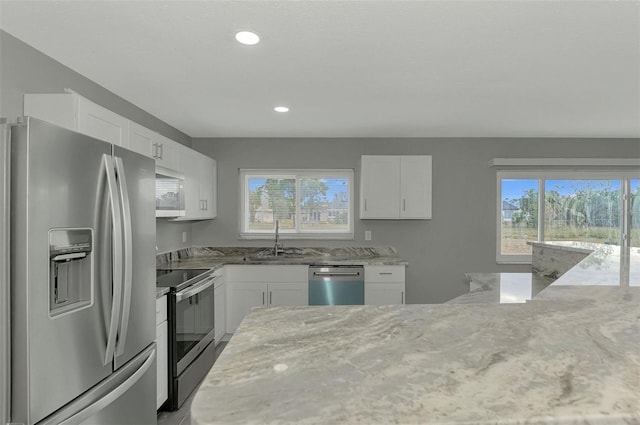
[(570, 355)]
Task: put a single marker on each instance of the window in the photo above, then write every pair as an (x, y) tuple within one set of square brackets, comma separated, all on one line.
[(587, 206), (305, 203)]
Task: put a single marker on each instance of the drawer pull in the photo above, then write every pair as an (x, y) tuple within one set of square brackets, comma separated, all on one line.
[(385, 273)]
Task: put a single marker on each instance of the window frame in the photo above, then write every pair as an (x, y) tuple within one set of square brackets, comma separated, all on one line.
[(542, 175), (298, 232)]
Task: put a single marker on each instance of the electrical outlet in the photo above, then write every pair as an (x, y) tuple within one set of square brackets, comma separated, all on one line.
[(367, 235), (184, 237)]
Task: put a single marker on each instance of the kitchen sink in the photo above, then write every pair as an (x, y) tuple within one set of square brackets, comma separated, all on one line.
[(272, 258)]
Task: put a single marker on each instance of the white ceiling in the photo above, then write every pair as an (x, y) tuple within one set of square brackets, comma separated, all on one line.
[(355, 68)]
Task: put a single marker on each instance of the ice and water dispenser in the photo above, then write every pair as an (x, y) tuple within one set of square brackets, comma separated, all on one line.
[(70, 269)]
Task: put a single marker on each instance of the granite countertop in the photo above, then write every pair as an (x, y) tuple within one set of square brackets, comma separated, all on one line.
[(160, 292), (204, 257), (569, 355)]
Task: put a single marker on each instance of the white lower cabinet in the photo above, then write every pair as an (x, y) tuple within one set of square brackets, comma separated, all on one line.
[(162, 350), (384, 285), (287, 294), (220, 309), (263, 286)]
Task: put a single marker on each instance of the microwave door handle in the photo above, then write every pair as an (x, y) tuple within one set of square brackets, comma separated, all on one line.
[(196, 289), (128, 255), (116, 221)]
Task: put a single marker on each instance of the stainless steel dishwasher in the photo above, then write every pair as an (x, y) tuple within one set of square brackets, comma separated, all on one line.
[(336, 285)]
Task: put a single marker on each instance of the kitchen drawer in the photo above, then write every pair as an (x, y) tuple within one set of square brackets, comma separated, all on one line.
[(384, 274), (263, 274), (161, 310)]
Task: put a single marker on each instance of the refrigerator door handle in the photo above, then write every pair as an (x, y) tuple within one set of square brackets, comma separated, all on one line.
[(116, 219), (80, 416), (128, 254)]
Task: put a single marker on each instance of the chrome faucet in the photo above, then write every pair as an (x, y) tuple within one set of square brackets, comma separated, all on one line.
[(278, 247)]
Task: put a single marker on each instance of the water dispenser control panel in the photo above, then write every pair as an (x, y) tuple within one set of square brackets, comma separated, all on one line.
[(70, 269)]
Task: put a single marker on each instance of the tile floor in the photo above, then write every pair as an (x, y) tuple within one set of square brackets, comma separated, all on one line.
[(183, 415)]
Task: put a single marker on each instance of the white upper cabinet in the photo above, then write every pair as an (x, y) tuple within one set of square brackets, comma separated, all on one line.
[(101, 123), (72, 111), (141, 139), (208, 192), (76, 113), (395, 187), (415, 186), (199, 184), (189, 165), (165, 151)]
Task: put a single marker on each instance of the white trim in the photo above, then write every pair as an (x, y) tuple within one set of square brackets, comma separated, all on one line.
[(624, 175), (296, 174), (564, 162)]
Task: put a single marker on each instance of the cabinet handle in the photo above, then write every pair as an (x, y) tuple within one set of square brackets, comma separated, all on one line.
[(270, 296), (262, 297), (161, 150), (385, 273), (206, 204), (402, 298)]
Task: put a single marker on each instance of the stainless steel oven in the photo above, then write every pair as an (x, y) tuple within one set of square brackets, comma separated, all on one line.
[(191, 329)]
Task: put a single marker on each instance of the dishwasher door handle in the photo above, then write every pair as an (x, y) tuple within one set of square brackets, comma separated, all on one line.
[(336, 273)]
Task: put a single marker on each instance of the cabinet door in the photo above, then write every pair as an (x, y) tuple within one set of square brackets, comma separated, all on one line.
[(208, 187), (384, 293), (189, 165), (60, 109), (384, 274), (380, 186), (242, 297), (415, 183), (162, 365), (220, 312), (141, 139), (288, 294), (98, 122), (166, 152)]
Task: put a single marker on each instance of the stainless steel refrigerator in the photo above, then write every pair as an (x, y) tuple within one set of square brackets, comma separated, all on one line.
[(81, 279)]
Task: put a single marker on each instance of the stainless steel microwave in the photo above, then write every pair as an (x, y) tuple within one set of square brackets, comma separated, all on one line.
[(169, 193)]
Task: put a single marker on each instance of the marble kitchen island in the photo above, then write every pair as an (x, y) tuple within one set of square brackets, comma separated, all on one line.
[(566, 357)]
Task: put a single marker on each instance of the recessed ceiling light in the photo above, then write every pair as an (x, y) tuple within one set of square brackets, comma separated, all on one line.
[(281, 109), (247, 37)]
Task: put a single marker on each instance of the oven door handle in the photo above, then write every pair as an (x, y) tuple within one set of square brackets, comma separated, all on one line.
[(195, 289)]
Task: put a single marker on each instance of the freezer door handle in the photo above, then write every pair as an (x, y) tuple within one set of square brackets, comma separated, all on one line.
[(78, 417), (128, 254), (116, 219)]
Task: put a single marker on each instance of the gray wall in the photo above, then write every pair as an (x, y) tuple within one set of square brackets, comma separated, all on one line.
[(461, 236), (24, 69)]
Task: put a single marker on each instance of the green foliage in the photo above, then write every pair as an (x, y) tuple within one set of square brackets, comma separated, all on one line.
[(527, 215)]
